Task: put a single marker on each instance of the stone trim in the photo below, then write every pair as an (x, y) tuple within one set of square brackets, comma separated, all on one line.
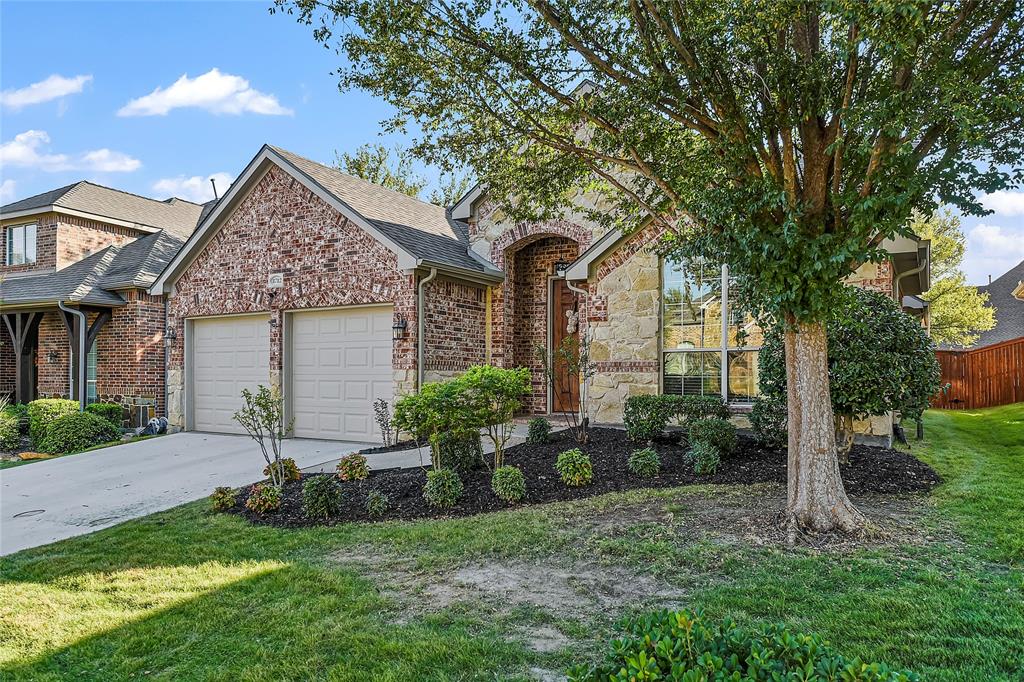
[(628, 366)]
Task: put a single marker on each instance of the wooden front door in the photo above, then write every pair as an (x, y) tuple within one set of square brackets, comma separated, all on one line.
[(564, 316)]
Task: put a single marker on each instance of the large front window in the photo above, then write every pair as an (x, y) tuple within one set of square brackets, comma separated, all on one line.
[(21, 244), (91, 394), (709, 344)]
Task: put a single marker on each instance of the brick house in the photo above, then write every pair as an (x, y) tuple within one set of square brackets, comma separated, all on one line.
[(341, 292), (78, 262)]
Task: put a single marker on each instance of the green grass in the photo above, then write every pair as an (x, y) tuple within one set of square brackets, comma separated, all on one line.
[(189, 595)]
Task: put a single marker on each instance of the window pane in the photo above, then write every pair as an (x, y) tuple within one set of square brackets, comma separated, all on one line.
[(744, 332), (90, 375), (743, 376), (30, 243), (693, 373), (16, 245), (691, 307)]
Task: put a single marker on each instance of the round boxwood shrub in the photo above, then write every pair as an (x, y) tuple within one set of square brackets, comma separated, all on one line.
[(443, 488), (508, 483), (291, 469), (76, 432), (461, 453), (768, 420), (377, 503), (645, 416), (644, 463), (45, 411), (223, 498), (112, 412), (574, 467), (353, 468), (263, 498), (538, 431), (704, 458), (10, 433), (682, 645), (719, 432), (321, 497)]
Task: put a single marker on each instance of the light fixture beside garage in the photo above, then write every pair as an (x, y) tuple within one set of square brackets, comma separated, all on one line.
[(398, 329)]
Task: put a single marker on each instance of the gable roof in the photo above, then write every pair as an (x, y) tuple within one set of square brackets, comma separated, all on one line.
[(1009, 309), (419, 233), (88, 199)]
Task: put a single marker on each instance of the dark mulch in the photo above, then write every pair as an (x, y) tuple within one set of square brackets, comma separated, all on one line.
[(871, 470), (401, 445)]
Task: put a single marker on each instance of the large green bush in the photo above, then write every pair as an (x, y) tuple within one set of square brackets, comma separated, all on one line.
[(20, 412), (112, 412), (45, 411), (76, 432), (10, 433), (879, 359), (440, 411), (682, 645), (494, 396), (646, 416)]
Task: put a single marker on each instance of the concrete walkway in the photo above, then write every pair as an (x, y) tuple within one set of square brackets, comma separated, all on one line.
[(55, 499)]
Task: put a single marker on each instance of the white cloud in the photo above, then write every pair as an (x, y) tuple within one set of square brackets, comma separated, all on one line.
[(28, 150), (1004, 202), (195, 188), (7, 190), (992, 250), (216, 92), (53, 87)]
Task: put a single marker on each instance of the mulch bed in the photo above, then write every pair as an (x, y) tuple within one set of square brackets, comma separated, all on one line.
[(871, 470)]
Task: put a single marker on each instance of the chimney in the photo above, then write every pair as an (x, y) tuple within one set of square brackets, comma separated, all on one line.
[(990, 279)]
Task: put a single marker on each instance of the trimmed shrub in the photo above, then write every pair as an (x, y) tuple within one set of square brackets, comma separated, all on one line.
[(223, 498), (353, 468), (45, 411), (704, 458), (20, 412), (76, 432), (460, 452), (10, 432), (574, 467), (689, 408), (718, 432), (377, 503), (682, 645), (443, 488), (321, 497), (538, 431), (291, 469), (768, 420), (263, 498), (645, 416), (508, 483), (644, 463), (112, 412)]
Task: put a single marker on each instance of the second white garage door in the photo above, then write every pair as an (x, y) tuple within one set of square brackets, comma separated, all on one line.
[(340, 364), (228, 354)]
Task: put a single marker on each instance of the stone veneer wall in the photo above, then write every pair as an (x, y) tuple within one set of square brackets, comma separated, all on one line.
[(327, 262)]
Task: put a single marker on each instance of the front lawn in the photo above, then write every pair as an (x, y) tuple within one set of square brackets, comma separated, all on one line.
[(188, 594)]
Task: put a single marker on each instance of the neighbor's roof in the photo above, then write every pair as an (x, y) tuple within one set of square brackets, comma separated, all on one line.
[(94, 280), (419, 233), (1009, 309), (177, 216)]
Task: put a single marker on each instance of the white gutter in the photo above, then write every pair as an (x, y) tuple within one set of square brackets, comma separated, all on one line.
[(84, 329), (908, 273), (420, 328)]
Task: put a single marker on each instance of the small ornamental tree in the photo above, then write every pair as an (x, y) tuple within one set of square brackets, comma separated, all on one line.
[(788, 138), (440, 411), (570, 361), (880, 360), (262, 417), (494, 397)]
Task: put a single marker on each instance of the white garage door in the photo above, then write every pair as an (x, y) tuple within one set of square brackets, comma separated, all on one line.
[(340, 364), (228, 354)]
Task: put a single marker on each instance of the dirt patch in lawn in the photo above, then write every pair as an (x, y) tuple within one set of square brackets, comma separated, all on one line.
[(870, 471)]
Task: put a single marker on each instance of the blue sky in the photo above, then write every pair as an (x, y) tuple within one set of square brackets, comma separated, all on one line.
[(155, 98)]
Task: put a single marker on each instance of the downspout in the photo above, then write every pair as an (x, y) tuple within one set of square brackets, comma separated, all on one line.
[(585, 331), (421, 329), (84, 331), (900, 277), (167, 348)]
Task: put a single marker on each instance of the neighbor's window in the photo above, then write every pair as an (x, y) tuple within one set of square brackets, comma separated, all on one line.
[(21, 244), (90, 375), (696, 348)]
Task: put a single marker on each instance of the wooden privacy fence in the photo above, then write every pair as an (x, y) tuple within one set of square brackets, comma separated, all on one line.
[(982, 377)]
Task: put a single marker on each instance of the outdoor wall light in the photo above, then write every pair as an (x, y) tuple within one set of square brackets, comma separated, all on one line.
[(398, 329), (51, 357), (172, 333)]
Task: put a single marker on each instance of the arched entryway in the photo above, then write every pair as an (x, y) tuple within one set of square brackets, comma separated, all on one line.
[(535, 310)]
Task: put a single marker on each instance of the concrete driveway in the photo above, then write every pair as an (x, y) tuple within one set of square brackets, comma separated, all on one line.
[(60, 498)]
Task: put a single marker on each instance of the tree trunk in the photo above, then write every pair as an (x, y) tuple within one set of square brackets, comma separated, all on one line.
[(816, 499), (844, 437)]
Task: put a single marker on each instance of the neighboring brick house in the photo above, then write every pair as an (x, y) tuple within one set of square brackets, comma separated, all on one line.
[(94, 250), (341, 292)]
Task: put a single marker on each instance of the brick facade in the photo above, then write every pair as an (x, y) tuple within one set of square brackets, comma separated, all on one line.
[(46, 245), (78, 238), (7, 362), (454, 322)]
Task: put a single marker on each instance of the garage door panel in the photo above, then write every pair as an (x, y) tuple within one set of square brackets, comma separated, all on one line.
[(228, 354), (341, 363)]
